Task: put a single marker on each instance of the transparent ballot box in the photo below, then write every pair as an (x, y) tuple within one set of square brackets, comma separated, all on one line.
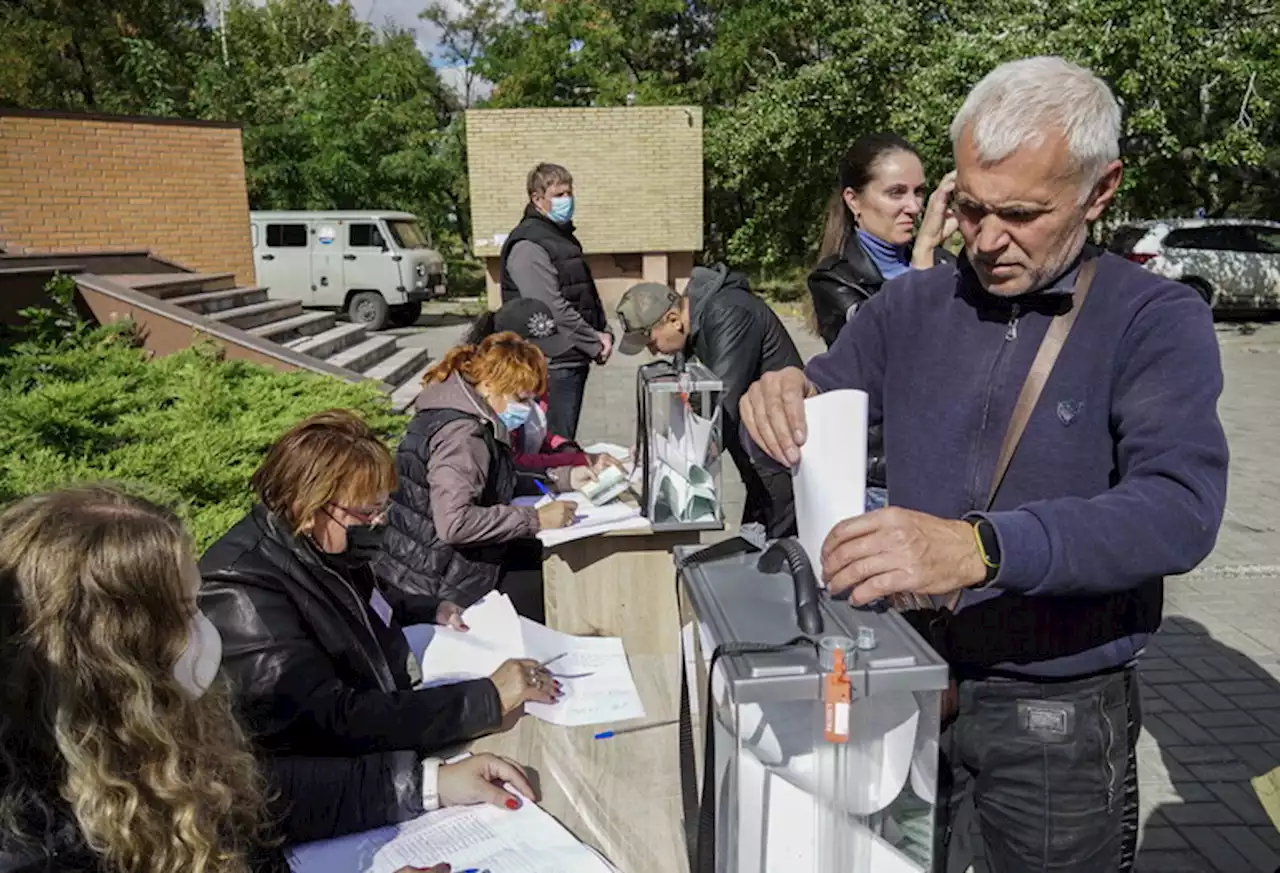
[(679, 442), (819, 726)]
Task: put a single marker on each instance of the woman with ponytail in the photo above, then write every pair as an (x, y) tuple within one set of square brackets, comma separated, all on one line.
[(452, 529), (874, 232)]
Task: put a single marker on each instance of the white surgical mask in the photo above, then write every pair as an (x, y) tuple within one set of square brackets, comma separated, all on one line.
[(197, 666)]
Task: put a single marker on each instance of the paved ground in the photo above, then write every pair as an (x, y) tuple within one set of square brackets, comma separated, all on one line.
[(1212, 678)]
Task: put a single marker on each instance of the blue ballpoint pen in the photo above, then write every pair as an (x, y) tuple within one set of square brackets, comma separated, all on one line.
[(546, 492)]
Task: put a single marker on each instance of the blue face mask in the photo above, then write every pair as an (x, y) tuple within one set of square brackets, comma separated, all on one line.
[(515, 415), (561, 209)]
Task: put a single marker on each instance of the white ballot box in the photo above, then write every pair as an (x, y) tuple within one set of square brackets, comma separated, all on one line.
[(820, 722), (679, 440)]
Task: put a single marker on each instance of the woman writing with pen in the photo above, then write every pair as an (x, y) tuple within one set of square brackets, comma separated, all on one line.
[(453, 533)]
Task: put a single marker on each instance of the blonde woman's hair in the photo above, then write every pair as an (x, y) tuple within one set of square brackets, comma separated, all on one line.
[(94, 611), (330, 457)]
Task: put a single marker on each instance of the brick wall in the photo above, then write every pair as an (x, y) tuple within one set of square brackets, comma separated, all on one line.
[(637, 173), (93, 182)]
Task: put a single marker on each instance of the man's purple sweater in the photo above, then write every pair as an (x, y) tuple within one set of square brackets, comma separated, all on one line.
[(1119, 480)]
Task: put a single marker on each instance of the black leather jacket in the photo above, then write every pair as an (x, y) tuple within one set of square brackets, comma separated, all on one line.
[(324, 686), (838, 285)]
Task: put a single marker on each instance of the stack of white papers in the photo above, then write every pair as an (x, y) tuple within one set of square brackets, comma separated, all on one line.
[(593, 671), (589, 520), (527, 840)]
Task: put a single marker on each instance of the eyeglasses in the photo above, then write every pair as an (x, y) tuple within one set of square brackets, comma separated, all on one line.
[(365, 515)]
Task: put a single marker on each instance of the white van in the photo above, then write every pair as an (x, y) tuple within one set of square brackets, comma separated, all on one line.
[(377, 266)]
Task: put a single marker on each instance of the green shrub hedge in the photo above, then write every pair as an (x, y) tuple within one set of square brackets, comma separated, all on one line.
[(80, 403)]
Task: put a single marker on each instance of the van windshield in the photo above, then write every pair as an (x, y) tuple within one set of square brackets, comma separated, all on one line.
[(409, 234)]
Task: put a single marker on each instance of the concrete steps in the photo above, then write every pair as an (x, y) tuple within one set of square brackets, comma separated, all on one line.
[(399, 366), (255, 314), (209, 302), (298, 327), (331, 341), (363, 355), (317, 334)]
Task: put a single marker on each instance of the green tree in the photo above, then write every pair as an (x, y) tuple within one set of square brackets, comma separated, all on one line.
[(120, 56), (336, 114)]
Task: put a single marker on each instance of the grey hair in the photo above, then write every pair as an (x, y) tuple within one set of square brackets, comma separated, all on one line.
[(1018, 101)]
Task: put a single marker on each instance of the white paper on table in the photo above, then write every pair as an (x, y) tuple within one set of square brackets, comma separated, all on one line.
[(527, 840), (455, 656), (594, 673), (591, 520), (830, 481), (622, 453)]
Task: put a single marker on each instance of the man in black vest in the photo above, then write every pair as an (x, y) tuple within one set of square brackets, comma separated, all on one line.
[(543, 260)]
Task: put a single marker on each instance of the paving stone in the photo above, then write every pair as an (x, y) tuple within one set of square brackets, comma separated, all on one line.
[(1206, 754), (1248, 686), (1241, 799), (1233, 735), (1209, 697), (1228, 718), (1185, 728), (1181, 697), (1170, 862), (1162, 839), (1258, 701), (1257, 757), (1163, 677), (1199, 814), (1216, 849), (1223, 772)]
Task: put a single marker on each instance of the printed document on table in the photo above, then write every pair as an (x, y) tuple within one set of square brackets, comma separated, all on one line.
[(527, 840), (594, 673)]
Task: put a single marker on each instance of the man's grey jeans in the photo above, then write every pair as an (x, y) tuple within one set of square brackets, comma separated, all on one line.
[(1052, 767)]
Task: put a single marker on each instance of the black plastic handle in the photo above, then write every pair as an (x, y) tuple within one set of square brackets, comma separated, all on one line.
[(788, 551), (348, 257), (268, 257)]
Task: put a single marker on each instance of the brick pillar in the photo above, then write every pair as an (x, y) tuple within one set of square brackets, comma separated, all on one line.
[(655, 268)]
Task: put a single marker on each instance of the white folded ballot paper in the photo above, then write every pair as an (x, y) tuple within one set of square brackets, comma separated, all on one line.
[(593, 671), (527, 840), (830, 481)]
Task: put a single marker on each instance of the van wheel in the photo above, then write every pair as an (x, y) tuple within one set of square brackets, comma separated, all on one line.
[(368, 308), (406, 314)]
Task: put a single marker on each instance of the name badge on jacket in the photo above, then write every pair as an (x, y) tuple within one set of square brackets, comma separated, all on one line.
[(381, 607)]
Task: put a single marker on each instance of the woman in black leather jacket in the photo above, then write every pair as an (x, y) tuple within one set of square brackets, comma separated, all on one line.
[(870, 236), (313, 644)]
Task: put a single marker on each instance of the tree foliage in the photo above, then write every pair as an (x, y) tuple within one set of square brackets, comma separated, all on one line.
[(337, 114)]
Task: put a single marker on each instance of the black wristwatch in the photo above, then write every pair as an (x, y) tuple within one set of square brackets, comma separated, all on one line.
[(988, 547)]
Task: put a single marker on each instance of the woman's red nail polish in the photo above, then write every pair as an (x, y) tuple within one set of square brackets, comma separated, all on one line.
[(512, 803)]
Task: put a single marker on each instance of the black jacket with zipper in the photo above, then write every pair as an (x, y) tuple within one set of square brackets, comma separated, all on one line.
[(324, 687), (838, 285)]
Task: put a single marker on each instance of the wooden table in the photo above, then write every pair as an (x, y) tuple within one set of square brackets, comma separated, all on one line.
[(623, 796)]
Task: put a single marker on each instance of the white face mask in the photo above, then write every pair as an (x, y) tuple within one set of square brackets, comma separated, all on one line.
[(197, 667)]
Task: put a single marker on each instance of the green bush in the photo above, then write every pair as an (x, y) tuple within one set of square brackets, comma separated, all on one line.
[(81, 403)]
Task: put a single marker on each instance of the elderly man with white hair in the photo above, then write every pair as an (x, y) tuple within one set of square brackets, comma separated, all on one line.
[(1054, 451)]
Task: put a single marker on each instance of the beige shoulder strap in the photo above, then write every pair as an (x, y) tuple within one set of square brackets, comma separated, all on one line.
[(1054, 338), (1047, 355)]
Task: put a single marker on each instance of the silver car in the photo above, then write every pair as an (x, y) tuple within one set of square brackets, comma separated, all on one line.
[(1233, 263)]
